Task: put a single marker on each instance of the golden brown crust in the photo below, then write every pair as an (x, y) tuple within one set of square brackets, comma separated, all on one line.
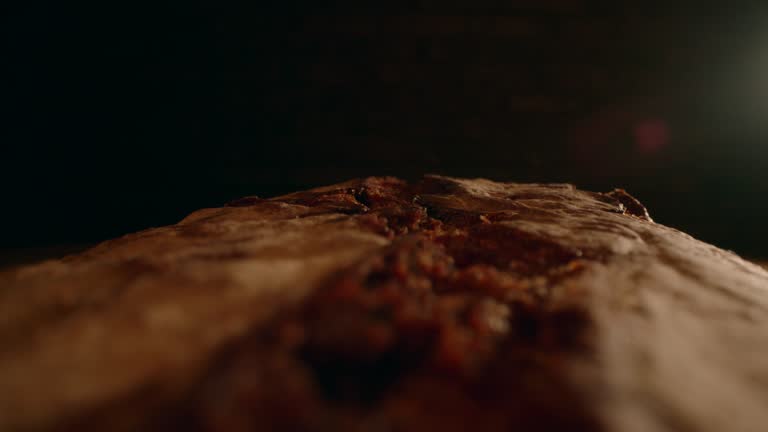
[(380, 304)]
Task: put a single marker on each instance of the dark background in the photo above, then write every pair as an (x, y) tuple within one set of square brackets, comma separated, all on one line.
[(121, 117)]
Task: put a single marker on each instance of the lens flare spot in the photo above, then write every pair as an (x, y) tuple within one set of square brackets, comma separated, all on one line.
[(651, 135)]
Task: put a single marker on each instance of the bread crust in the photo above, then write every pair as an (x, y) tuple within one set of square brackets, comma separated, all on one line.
[(380, 304)]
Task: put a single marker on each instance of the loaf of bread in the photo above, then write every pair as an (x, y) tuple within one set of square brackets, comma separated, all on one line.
[(378, 305)]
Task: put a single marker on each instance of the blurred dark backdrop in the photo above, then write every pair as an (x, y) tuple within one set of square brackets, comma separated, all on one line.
[(118, 117)]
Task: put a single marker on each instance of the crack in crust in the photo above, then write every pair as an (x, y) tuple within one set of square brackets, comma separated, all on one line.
[(460, 313)]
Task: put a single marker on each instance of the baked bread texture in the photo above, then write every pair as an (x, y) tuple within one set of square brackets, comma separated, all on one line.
[(380, 305)]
